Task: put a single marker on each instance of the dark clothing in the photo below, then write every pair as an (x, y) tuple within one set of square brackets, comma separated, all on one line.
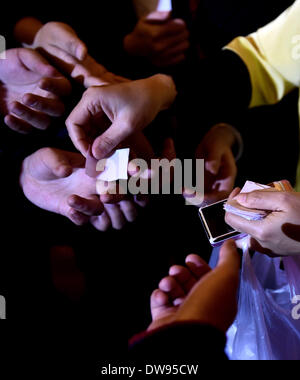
[(180, 341), (122, 268)]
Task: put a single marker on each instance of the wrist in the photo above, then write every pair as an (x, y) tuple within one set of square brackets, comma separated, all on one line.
[(165, 88)]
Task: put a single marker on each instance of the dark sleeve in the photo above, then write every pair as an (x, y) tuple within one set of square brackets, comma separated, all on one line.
[(211, 92), (182, 341)]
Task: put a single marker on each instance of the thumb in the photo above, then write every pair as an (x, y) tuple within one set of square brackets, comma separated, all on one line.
[(263, 200), (37, 64), (158, 17), (229, 257), (109, 140), (59, 163)]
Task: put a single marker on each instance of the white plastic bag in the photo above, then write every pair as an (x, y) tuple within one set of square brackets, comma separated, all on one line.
[(265, 328)]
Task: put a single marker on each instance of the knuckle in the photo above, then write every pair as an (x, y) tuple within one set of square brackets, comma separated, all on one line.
[(253, 198), (107, 142), (285, 198), (263, 235), (30, 99)]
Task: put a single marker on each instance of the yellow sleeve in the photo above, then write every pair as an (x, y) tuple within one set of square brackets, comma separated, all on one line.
[(272, 56)]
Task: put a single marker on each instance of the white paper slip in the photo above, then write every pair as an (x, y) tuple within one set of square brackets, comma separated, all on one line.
[(233, 207), (114, 167), (164, 5)]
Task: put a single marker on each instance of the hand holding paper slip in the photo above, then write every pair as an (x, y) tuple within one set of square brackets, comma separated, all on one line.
[(110, 169), (233, 207)]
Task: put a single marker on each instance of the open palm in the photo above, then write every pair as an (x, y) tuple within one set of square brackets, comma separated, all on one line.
[(55, 181)]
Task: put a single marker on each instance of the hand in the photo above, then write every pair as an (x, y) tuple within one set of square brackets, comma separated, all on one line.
[(279, 232), (197, 293), (162, 40), (220, 165), (55, 181), (30, 90), (126, 107), (60, 43), (91, 73), (120, 209), (117, 216)]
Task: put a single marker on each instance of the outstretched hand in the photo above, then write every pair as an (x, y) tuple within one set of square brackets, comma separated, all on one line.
[(55, 180), (106, 116), (196, 293), (31, 90)]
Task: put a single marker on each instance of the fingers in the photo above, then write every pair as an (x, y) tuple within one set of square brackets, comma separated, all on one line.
[(80, 120), (110, 139), (229, 257), (68, 41), (17, 125), (116, 216), (172, 288), (129, 210), (33, 118), (77, 217), (265, 200), (141, 200), (58, 162), (51, 107), (90, 207), (102, 222), (36, 63), (172, 29), (213, 300), (159, 303), (252, 228), (59, 86), (184, 279), (197, 266), (234, 193), (158, 17)]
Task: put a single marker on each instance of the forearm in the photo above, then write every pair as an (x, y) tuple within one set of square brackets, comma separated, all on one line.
[(26, 29)]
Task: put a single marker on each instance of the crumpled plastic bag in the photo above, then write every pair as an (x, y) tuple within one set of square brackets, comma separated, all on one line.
[(265, 327)]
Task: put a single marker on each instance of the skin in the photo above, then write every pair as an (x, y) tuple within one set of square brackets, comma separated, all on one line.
[(278, 233), (160, 39), (56, 181), (220, 165), (196, 293), (125, 108), (59, 43), (31, 91)]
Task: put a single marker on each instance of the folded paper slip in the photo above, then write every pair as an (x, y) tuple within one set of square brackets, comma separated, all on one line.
[(110, 169)]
